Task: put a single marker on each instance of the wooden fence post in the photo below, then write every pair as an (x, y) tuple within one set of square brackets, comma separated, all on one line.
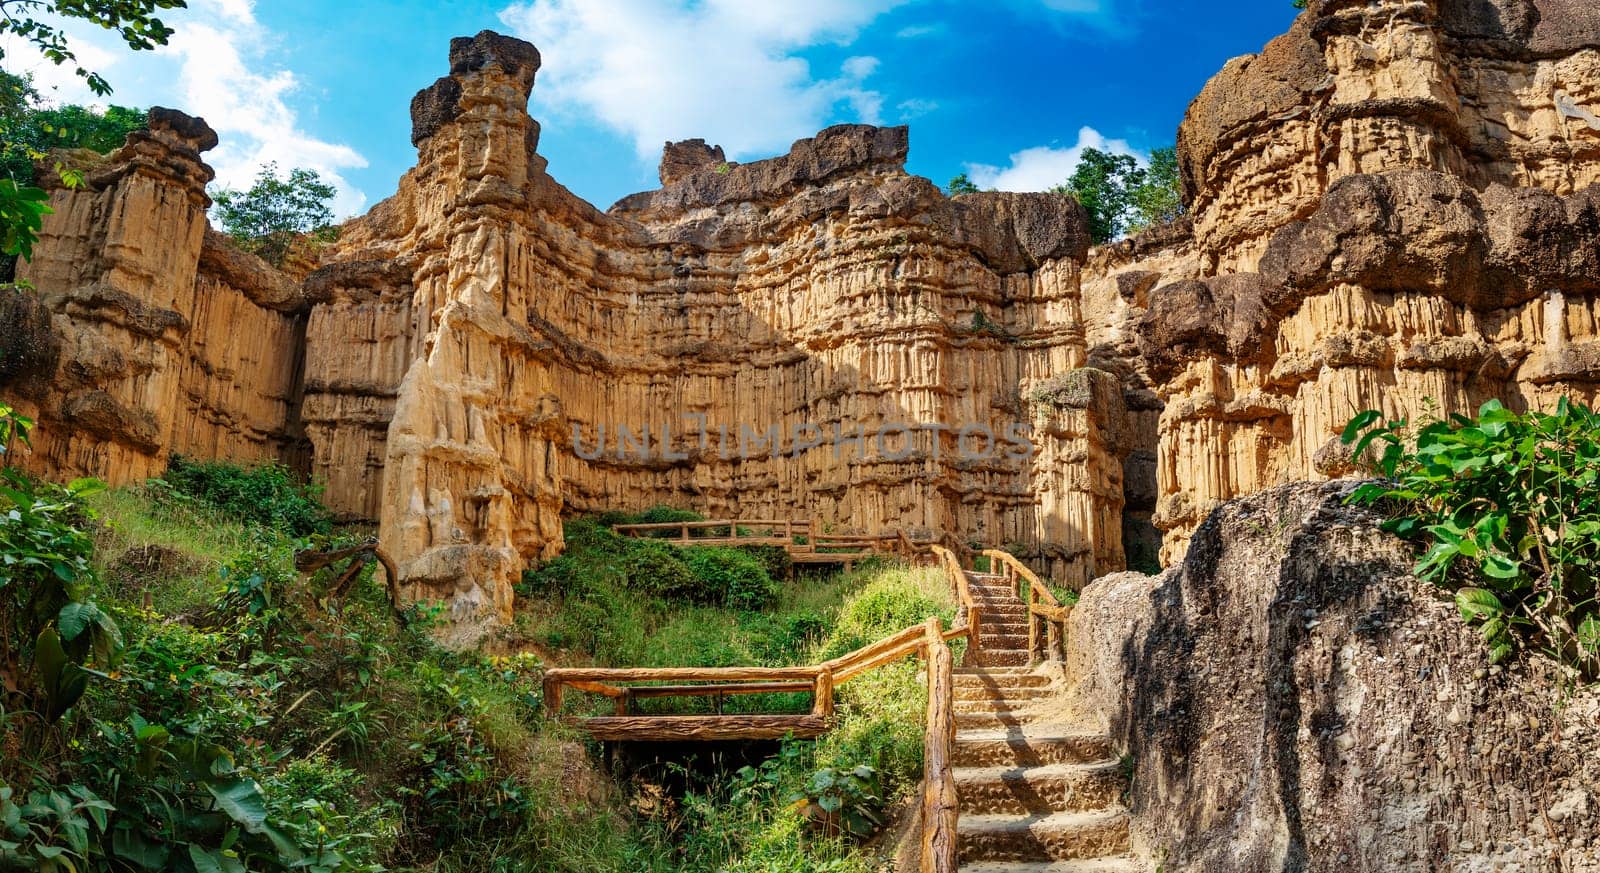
[(822, 699)]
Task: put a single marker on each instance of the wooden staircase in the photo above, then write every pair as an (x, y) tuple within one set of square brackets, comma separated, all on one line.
[(1034, 797)]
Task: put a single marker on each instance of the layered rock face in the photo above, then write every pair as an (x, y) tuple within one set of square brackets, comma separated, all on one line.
[(158, 337), (817, 335), (1392, 208), (1294, 699), (800, 337)]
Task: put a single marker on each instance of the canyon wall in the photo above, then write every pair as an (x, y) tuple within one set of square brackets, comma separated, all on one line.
[(1392, 208), (816, 335), (1394, 205)]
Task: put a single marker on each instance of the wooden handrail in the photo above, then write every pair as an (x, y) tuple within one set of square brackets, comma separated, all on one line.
[(940, 809), (963, 590), (939, 803), (1045, 612)]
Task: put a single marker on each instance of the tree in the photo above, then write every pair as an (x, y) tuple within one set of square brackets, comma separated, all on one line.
[(275, 211), (1102, 183), (960, 184), (1158, 198), (29, 131), (30, 21), (132, 20)]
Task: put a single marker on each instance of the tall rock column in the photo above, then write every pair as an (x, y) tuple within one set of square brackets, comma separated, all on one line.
[(469, 491), (116, 267)]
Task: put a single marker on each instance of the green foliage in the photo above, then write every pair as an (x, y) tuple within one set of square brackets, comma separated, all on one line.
[(269, 217), (36, 23), (737, 578), (730, 577), (28, 131), (960, 184), (1120, 195), (1298, 4), (1157, 198), (49, 627), (1101, 184), (14, 429), (22, 212), (1508, 508), (267, 495)]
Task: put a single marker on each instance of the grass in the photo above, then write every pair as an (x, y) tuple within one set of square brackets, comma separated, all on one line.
[(423, 759)]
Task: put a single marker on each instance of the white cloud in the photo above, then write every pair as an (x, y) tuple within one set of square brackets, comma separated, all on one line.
[(917, 31), (1043, 167), (916, 107), (213, 66), (725, 70)]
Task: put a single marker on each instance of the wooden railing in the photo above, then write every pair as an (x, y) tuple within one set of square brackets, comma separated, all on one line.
[(784, 529), (1047, 617), (962, 590), (938, 810)]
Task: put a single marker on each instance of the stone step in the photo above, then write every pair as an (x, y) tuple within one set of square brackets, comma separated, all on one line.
[(1002, 640), (999, 697), (1000, 694), (1000, 680), (1030, 746), (990, 719), (1003, 657), (1040, 790), (993, 671), (1059, 836), (1121, 864)]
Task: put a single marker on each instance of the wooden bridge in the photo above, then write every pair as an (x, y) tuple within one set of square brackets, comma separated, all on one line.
[(802, 539), (1009, 620)]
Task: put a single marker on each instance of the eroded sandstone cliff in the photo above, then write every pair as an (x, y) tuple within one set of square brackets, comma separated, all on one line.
[(816, 335), (1393, 208)]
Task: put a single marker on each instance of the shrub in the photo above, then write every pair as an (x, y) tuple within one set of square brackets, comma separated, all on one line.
[(731, 577), (267, 495), (660, 569), (774, 559), (1514, 502)]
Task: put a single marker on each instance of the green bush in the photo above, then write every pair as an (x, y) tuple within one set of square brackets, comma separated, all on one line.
[(774, 559), (730, 577), (267, 495), (661, 569), (1507, 506)]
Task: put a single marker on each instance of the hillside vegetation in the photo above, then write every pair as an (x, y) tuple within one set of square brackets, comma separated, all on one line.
[(230, 715)]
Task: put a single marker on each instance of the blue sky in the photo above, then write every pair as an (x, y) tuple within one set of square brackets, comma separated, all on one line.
[(1004, 89)]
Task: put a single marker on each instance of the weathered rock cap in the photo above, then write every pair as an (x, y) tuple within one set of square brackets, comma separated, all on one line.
[(440, 103), (838, 149), (679, 159), (516, 57), (191, 130)]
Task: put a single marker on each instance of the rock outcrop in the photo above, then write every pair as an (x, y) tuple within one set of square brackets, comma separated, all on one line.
[(1292, 698), (1392, 208), (815, 335), (1396, 205)]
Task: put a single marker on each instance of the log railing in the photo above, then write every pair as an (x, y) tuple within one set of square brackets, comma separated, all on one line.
[(939, 803), (802, 538), (625, 686), (1047, 617), (962, 590)]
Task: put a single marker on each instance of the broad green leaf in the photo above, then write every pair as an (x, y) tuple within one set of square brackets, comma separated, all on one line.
[(242, 800)]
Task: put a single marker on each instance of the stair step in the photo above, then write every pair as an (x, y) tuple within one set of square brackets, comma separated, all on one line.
[(1003, 657), (1001, 680), (1012, 694), (1039, 790), (1059, 836), (993, 671), (990, 719), (1030, 746), (1121, 864)]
